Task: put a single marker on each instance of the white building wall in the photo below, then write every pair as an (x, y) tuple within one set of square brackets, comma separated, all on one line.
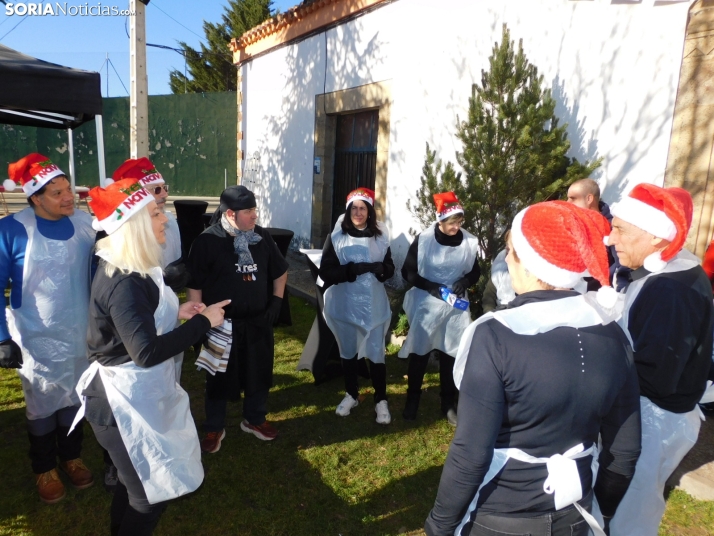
[(613, 69)]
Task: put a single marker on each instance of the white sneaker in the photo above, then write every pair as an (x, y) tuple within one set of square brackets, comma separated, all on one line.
[(382, 411), (346, 406)]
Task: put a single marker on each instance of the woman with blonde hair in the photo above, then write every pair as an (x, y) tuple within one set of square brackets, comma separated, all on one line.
[(138, 412)]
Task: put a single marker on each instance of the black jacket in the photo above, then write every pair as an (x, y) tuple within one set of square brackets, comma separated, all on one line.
[(542, 394), (122, 328), (671, 324)]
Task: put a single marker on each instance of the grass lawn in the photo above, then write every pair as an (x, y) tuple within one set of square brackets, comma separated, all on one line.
[(324, 475)]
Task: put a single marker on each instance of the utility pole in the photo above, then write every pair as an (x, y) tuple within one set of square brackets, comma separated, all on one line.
[(139, 101)]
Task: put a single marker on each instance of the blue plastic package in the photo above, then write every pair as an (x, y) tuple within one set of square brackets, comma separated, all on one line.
[(452, 299)]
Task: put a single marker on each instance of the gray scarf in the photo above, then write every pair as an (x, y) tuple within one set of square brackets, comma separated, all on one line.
[(241, 241)]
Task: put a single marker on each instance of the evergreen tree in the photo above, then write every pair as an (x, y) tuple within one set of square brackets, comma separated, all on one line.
[(433, 180), (514, 153), (212, 68)]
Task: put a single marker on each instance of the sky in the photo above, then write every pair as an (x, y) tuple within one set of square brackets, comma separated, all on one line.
[(85, 41)]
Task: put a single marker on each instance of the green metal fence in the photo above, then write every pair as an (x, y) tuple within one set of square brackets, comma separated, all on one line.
[(192, 140)]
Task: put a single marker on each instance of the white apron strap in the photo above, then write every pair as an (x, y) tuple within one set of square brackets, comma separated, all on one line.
[(84, 380), (563, 480)]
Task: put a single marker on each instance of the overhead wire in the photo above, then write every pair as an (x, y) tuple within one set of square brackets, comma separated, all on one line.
[(118, 75), (173, 19), (11, 30)]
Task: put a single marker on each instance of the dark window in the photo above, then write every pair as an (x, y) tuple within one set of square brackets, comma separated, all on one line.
[(355, 156)]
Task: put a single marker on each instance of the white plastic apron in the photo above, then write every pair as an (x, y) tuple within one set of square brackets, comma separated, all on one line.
[(171, 252), (666, 439), (358, 313), (563, 481), (433, 323), (153, 415), (51, 324), (501, 279), (171, 249), (540, 317)]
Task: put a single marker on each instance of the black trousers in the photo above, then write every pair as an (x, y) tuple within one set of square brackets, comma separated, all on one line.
[(131, 514), (254, 410), (565, 522), (377, 371), (417, 369), (50, 439)]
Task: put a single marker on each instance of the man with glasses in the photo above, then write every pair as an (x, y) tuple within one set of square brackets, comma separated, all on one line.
[(238, 260), (151, 179)]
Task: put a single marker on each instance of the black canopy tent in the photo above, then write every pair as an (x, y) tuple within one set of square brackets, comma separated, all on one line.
[(42, 94)]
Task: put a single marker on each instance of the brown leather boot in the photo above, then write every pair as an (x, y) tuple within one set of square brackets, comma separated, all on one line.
[(50, 487), (78, 473)]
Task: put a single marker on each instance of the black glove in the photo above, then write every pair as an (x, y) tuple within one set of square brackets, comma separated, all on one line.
[(433, 289), (176, 275), (273, 311), (377, 269), (360, 268), (10, 354), (461, 286)]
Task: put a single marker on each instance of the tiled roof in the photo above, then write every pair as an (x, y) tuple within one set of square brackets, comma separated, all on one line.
[(271, 26), (294, 23)]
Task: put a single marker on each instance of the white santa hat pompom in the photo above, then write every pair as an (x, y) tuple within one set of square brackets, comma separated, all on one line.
[(9, 185), (607, 297), (653, 262)]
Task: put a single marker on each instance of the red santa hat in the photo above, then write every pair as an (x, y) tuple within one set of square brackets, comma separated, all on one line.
[(31, 173), (663, 212), (447, 204), (363, 194), (561, 243), (116, 203), (141, 169)]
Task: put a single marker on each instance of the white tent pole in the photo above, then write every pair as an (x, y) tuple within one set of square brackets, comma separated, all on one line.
[(100, 149), (70, 136)]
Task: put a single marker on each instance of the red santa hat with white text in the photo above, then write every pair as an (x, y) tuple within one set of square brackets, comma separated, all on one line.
[(561, 243), (362, 194), (141, 169), (31, 173), (663, 212), (116, 203), (447, 204)]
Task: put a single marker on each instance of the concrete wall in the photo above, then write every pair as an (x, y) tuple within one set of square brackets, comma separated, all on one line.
[(613, 68), (191, 138)]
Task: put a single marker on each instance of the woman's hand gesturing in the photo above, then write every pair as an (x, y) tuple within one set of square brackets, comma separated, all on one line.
[(215, 313)]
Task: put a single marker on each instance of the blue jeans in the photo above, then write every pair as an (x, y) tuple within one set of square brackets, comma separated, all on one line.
[(565, 522)]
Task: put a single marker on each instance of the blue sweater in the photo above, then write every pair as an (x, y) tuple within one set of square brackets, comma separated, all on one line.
[(13, 244)]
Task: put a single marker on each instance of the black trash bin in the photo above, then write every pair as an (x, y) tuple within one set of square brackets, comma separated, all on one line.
[(189, 216)]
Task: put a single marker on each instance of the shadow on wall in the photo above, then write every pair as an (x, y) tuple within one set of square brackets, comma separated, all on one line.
[(647, 127), (583, 145), (326, 62)]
